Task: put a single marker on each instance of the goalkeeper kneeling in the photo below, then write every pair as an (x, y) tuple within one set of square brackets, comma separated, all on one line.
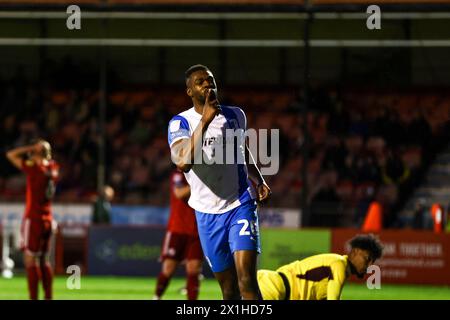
[(320, 277)]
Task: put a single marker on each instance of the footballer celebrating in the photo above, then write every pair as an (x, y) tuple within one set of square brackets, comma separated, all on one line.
[(37, 225), (320, 277), (222, 195)]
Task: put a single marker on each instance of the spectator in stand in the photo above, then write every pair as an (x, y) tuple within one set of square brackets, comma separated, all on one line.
[(363, 205), (102, 206), (68, 115), (420, 215), (394, 171)]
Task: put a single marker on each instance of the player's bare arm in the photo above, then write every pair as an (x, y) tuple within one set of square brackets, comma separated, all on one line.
[(15, 155), (184, 151), (336, 283), (262, 188), (182, 193)]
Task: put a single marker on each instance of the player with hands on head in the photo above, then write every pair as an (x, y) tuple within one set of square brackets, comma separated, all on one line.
[(38, 226)]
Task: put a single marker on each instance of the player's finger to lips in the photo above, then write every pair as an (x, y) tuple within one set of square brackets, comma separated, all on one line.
[(263, 195)]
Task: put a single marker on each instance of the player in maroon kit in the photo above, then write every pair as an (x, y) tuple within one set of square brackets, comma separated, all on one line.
[(37, 225), (181, 241)]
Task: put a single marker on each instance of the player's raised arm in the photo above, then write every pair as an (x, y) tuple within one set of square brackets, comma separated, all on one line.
[(184, 151), (15, 155)]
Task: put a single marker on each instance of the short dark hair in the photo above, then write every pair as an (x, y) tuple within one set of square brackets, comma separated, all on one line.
[(194, 68), (368, 242)]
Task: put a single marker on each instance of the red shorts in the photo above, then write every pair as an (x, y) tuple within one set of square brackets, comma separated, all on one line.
[(181, 247), (36, 235)]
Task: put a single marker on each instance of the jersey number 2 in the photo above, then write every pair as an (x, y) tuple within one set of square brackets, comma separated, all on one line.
[(244, 231)]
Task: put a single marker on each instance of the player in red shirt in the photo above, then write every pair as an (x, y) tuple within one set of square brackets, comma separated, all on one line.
[(181, 241), (37, 225)]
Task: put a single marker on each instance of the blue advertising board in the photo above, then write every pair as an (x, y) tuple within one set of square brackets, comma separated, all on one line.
[(139, 215), (127, 251), (124, 250)]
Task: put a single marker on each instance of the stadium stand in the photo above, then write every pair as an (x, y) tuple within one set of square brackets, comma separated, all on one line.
[(365, 144)]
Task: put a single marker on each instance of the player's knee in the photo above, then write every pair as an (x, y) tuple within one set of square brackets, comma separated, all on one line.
[(193, 268), (44, 260), (169, 267), (247, 283), (168, 272), (30, 261)]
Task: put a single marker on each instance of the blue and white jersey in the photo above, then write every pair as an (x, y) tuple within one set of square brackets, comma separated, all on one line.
[(218, 187)]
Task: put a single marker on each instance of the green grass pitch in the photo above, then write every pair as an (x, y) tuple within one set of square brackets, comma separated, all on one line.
[(123, 288)]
